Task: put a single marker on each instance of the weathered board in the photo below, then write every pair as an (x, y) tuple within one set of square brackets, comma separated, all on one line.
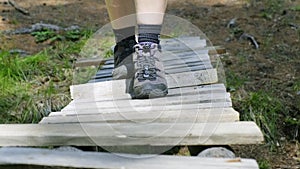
[(78, 159), (180, 116), (105, 92), (174, 81), (83, 111), (175, 100), (129, 134)]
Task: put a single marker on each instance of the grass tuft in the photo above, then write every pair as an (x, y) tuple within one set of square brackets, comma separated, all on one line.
[(265, 110)]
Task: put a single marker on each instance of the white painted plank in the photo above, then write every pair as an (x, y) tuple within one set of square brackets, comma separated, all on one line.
[(107, 102), (192, 78), (187, 58), (190, 42), (87, 91), (83, 111), (182, 63), (44, 157), (187, 91), (182, 116), (174, 100), (128, 134), (187, 69), (200, 54)]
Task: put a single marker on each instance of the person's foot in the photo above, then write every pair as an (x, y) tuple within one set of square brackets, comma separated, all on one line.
[(149, 79), (123, 63)]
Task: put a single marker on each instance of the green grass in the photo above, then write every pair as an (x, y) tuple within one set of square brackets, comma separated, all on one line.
[(296, 86), (28, 86), (234, 81), (262, 107), (296, 8), (264, 164), (33, 86), (272, 7), (71, 35), (265, 109)]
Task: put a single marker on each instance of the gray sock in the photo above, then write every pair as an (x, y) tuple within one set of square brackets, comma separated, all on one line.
[(149, 33)]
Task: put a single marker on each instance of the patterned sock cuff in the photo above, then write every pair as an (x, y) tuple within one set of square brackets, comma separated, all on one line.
[(149, 33)]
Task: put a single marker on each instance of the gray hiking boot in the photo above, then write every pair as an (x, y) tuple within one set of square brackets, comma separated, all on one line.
[(149, 79), (123, 63)]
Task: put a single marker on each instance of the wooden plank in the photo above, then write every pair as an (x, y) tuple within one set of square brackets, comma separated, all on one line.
[(128, 134), (71, 111), (184, 63), (165, 101), (212, 51), (180, 116), (169, 70), (119, 94), (180, 69), (176, 80), (186, 69), (189, 56), (174, 63), (44, 157), (192, 78), (191, 41), (173, 56), (182, 46), (203, 97)]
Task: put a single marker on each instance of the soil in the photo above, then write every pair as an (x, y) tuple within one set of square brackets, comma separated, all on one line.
[(275, 64)]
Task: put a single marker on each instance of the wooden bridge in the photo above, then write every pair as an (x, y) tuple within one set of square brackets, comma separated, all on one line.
[(197, 111)]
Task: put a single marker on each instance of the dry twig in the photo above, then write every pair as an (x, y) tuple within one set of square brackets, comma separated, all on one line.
[(18, 8)]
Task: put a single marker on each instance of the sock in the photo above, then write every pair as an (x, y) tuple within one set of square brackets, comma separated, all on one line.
[(125, 40), (124, 33), (149, 33)]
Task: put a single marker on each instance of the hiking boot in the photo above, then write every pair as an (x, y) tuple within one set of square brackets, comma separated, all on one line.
[(149, 79), (123, 63)]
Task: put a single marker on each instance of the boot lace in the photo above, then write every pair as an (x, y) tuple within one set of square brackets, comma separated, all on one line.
[(146, 69)]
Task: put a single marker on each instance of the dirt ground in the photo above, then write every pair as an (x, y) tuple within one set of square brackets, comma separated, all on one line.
[(275, 64)]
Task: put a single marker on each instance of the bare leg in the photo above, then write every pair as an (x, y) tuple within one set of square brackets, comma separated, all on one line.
[(123, 20), (121, 13), (150, 12), (150, 15)]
